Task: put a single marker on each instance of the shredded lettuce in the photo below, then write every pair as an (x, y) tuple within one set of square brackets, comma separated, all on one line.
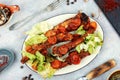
[(34, 64), (99, 35), (40, 67), (40, 57), (80, 30), (92, 41), (29, 55), (78, 48), (81, 47), (36, 39), (91, 48), (30, 62), (48, 71), (43, 68), (39, 28)]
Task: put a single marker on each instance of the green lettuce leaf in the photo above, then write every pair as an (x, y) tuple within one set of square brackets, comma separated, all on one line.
[(39, 28), (40, 67), (40, 57), (48, 71), (92, 41), (80, 30), (79, 47), (30, 62), (36, 39), (29, 55)]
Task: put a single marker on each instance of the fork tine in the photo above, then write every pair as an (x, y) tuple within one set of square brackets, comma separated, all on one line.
[(53, 3), (56, 2)]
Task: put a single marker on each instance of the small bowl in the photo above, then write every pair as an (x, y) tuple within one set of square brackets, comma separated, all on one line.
[(12, 8), (10, 56), (114, 73)]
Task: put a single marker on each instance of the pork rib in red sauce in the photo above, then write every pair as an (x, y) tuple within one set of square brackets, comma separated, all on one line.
[(63, 49)]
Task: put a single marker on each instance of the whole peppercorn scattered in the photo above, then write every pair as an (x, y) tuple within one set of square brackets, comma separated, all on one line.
[(21, 67), (72, 2), (28, 77), (68, 2)]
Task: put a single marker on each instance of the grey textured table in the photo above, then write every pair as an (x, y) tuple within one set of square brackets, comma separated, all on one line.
[(14, 39)]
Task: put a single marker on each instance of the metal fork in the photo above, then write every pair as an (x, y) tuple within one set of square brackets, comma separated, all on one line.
[(50, 7)]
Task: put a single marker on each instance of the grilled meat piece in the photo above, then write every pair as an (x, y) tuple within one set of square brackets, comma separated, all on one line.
[(63, 49), (84, 54), (24, 59), (66, 26), (61, 37), (73, 58)]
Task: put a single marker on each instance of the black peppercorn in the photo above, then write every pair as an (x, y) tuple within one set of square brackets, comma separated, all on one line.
[(32, 79), (24, 78), (72, 2), (21, 67)]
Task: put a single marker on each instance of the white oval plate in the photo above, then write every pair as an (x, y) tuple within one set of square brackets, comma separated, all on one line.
[(58, 19)]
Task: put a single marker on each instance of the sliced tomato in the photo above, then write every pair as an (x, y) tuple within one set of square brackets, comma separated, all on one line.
[(56, 64)]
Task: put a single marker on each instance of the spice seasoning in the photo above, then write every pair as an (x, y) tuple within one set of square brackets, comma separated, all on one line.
[(115, 76), (5, 14), (110, 5)]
